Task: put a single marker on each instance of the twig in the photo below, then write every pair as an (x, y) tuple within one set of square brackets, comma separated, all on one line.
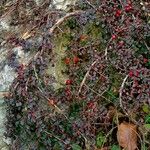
[(56, 25), (26, 87), (12, 8), (36, 75), (106, 49), (90, 4), (106, 53), (87, 73), (99, 94), (52, 104), (29, 32), (3, 94), (102, 124), (120, 94), (56, 137), (108, 134), (7, 13), (61, 20), (146, 46)]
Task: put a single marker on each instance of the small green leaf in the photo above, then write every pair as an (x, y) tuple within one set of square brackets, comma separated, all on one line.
[(147, 119), (146, 108), (115, 147), (76, 147), (57, 146), (41, 148), (100, 140), (144, 147), (147, 126)]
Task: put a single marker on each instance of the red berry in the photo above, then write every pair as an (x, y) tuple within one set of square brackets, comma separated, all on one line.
[(145, 60), (67, 91), (131, 74), (118, 13), (128, 8), (67, 61), (113, 36), (75, 59), (68, 82), (90, 105)]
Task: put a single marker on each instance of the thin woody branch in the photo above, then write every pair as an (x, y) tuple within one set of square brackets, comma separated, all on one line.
[(61, 20), (120, 94)]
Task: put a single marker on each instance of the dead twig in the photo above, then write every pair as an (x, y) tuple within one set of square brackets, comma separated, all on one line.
[(120, 94), (61, 20), (3, 94), (146, 46), (30, 32), (99, 94), (12, 8), (57, 109), (106, 49), (52, 135), (90, 4), (86, 75)]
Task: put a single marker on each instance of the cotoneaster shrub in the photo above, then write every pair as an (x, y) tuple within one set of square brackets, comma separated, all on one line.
[(105, 43)]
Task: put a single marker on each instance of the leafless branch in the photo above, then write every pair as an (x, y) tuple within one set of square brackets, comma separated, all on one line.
[(3, 94), (86, 75), (120, 94), (61, 20), (146, 46), (90, 4), (11, 9), (106, 49)]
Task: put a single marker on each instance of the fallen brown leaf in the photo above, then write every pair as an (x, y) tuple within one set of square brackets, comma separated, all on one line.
[(127, 136)]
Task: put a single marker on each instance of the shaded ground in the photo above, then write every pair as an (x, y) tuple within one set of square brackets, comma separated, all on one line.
[(90, 73)]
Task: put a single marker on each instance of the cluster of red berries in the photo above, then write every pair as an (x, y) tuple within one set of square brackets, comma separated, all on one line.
[(134, 73), (67, 91), (128, 7), (119, 12), (68, 60)]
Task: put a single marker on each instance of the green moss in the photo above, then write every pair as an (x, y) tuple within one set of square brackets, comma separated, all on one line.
[(72, 23), (94, 31), (94, 35), (61, 43), (116, 79)]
